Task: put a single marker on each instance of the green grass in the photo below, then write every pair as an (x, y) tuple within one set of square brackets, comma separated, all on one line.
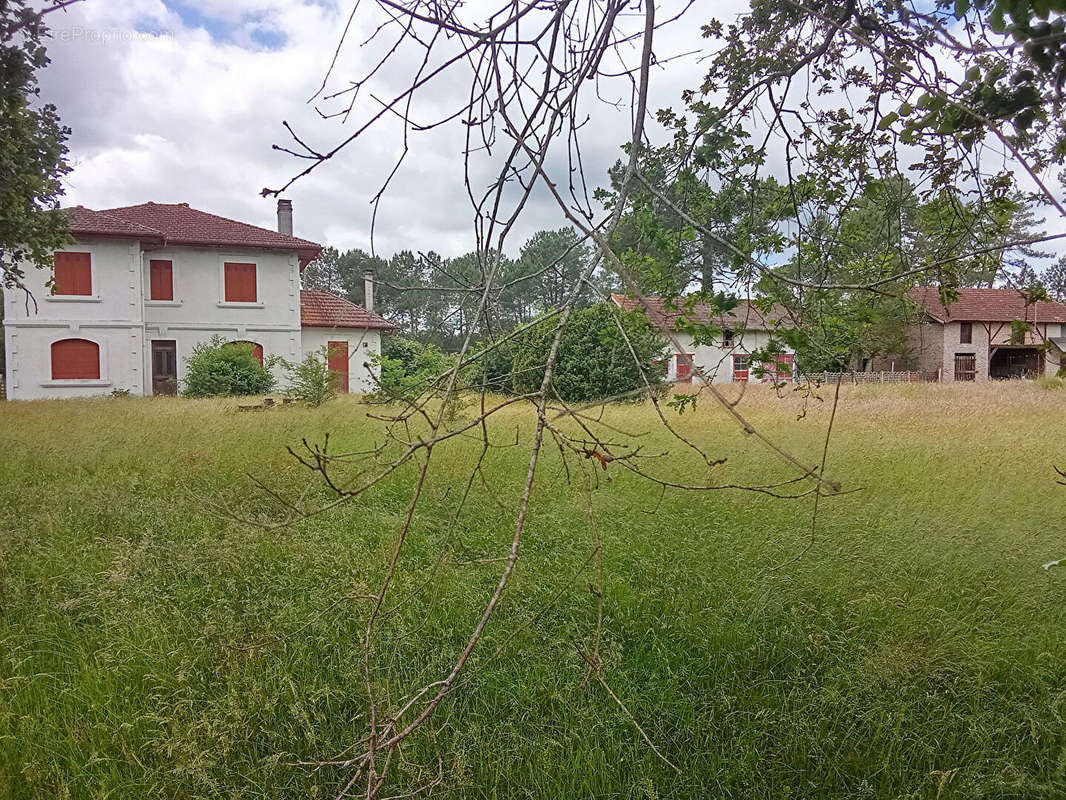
[(150, 647)]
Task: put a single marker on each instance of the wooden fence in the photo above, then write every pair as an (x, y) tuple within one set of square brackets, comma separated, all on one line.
[(873, 377)]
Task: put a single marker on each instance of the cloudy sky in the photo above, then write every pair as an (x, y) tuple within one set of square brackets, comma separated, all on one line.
[(180, 101)]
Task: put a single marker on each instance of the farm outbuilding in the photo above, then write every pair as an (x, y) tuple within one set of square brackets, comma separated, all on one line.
[(986, 334)]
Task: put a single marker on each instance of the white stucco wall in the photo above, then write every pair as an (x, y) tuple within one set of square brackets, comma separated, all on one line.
[(119, 318), (716, 362), (199, 310), (112, 317), (362, 344)]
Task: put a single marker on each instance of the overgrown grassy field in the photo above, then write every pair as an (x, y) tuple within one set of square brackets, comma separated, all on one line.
[(151, 647)]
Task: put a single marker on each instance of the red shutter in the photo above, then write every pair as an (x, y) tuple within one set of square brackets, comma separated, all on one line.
[(75, 359), (240, 282), (782, 368), (257, 350), (740, 369), (73, 274), (684, 367), (161, 280), (338, 363)]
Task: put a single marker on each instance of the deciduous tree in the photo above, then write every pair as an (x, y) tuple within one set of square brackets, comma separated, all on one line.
[(33, 150)]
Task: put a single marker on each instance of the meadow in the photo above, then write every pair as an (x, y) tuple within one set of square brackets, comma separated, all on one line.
[(914, 647)]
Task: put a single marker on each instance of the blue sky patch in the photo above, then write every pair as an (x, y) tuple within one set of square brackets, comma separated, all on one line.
[(268, 38), (254, 29), (193, 17)]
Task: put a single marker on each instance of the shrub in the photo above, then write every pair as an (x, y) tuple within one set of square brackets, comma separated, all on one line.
[(1050, 383), (594, 361), (219, 368), (495, 369), (311, 381), (407, 368)]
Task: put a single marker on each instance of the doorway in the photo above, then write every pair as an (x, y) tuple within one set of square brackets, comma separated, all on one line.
[(164, 366), (338, 364), (1016, 362), (965, 366)]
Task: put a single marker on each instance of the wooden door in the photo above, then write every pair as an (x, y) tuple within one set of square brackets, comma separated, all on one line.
[(164, 366), (684, 367), (338, 363), (965, 367)]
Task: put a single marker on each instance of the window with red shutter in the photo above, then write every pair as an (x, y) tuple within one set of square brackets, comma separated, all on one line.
[(240, 282), (160, 279), (75, 359), (740, 369), (684, 367), (257, 350), (781, 369), (73, 274)]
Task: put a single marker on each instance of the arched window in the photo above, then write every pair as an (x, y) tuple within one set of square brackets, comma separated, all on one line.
[(257, 350), (75, 359)]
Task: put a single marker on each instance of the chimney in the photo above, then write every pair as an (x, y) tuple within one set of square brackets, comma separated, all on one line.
[(368, 290), (285, 217)]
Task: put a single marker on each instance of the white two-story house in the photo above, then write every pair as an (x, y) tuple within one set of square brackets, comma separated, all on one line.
[(142, 285), (728, 360)]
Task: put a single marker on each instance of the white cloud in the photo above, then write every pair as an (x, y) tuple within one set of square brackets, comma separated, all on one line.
[(190, 116)]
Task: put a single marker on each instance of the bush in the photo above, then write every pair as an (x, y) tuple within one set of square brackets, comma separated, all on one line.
[(594, 361), (1050, 383), (495, 369), (220, 368), (407, 368), (311, 381)]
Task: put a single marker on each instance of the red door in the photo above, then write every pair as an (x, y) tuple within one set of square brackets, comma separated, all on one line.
[(684, 367), (338, 363)]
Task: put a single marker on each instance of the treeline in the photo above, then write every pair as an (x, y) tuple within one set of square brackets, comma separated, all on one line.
[(810, 247), (595, 360), (435, 299)]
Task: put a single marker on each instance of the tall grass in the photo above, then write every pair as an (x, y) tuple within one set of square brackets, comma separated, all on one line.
[(151, 647)]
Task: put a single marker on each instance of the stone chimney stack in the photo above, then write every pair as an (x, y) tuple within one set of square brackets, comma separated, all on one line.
[(368, 290), (285, 217)]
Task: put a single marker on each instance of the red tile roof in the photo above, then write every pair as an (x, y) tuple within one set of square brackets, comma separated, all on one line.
[(325, 310), (745, 314), (88, 222), (180, 224), (986, 305)]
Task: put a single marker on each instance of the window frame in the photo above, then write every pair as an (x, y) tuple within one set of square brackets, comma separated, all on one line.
[(151, 285), (224, 301), (688, 359), (258, 352), (747, 367), (100, 379), (965, 333), (80, 297), (728, 337)]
